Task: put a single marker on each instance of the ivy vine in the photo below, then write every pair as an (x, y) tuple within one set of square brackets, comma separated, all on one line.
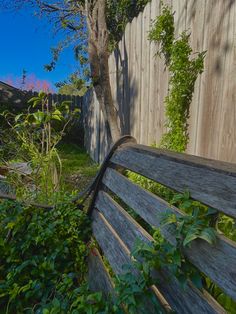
[(184, 68)]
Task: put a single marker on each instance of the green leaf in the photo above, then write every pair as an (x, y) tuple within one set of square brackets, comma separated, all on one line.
[(39, 116), (209, 235), (18, 117), (33, 99), (189, 238), (36, 102)]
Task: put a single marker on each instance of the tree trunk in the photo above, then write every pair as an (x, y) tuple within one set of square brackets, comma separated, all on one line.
[(98, 57)]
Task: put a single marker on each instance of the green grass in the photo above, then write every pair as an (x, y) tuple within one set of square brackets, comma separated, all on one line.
[(78, 169)]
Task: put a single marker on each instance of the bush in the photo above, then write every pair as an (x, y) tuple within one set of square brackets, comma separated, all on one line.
[(43, 257)]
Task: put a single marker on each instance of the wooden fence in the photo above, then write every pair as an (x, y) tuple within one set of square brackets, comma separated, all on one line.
[(18, 98), (139, 81)]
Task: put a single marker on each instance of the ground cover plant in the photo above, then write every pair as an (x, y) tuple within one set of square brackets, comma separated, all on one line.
[(43, 257), (78, 169), (44, 261)]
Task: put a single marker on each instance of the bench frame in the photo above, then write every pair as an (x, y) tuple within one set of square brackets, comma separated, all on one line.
[(208, 181)]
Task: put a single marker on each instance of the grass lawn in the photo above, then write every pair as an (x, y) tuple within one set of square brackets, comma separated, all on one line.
[(78, 169)]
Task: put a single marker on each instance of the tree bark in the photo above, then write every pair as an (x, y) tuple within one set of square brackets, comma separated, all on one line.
[(98, 58)]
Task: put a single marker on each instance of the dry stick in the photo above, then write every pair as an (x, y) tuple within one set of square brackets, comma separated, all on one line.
[(13, 198)]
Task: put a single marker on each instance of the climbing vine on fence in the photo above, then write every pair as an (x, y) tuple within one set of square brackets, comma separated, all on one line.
[(184, 68)]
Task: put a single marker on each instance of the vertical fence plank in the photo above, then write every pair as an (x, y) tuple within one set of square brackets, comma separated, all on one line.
[(132, 77), (214, 80), (126, 79), (195, 22), (180, 9), (138, 67), (145, 75), (163, 78), (227, 138), (153, 81)]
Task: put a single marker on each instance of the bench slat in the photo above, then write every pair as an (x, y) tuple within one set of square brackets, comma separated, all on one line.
[(209, 259), (98, 277), (189, 301), (208, 181), (114, 249)]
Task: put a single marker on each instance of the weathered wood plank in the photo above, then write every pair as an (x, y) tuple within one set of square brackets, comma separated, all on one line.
[(153, 80), (114, 248), (195, 22), (213, 82), (98, 277), (211, 182), (189, 301), (126, 112), (204, 256), (145, 75), (162, 90), (227, 138), (131, 77), (138, 81)]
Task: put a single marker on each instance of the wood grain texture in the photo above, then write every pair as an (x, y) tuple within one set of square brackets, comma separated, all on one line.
[(139, 92), (227, 138), (114, 249), (145, 75), (213, 83), (205, 257), (153, 80), (208, 181), (98, 277), (189, 301), (195, 23), (138, 84), (131, 75), (126, 108)]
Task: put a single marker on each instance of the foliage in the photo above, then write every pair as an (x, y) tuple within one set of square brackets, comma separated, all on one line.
[(228, 303), (118, 14), (197, 225), (207, 217), (74, 86), (184, 69), (37, 133), (151, 186), (77, 167), (43, 264), (227, 226), (43, 257), (44, 260), (69, 18), (184, 229)]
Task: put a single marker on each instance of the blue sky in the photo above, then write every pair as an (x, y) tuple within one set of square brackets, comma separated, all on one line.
[(25, 44)]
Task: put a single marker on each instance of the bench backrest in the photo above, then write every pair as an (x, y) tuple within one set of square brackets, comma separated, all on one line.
[(210, 182)]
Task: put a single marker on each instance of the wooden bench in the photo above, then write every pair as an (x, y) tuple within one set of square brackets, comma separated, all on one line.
[(210, 182)]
